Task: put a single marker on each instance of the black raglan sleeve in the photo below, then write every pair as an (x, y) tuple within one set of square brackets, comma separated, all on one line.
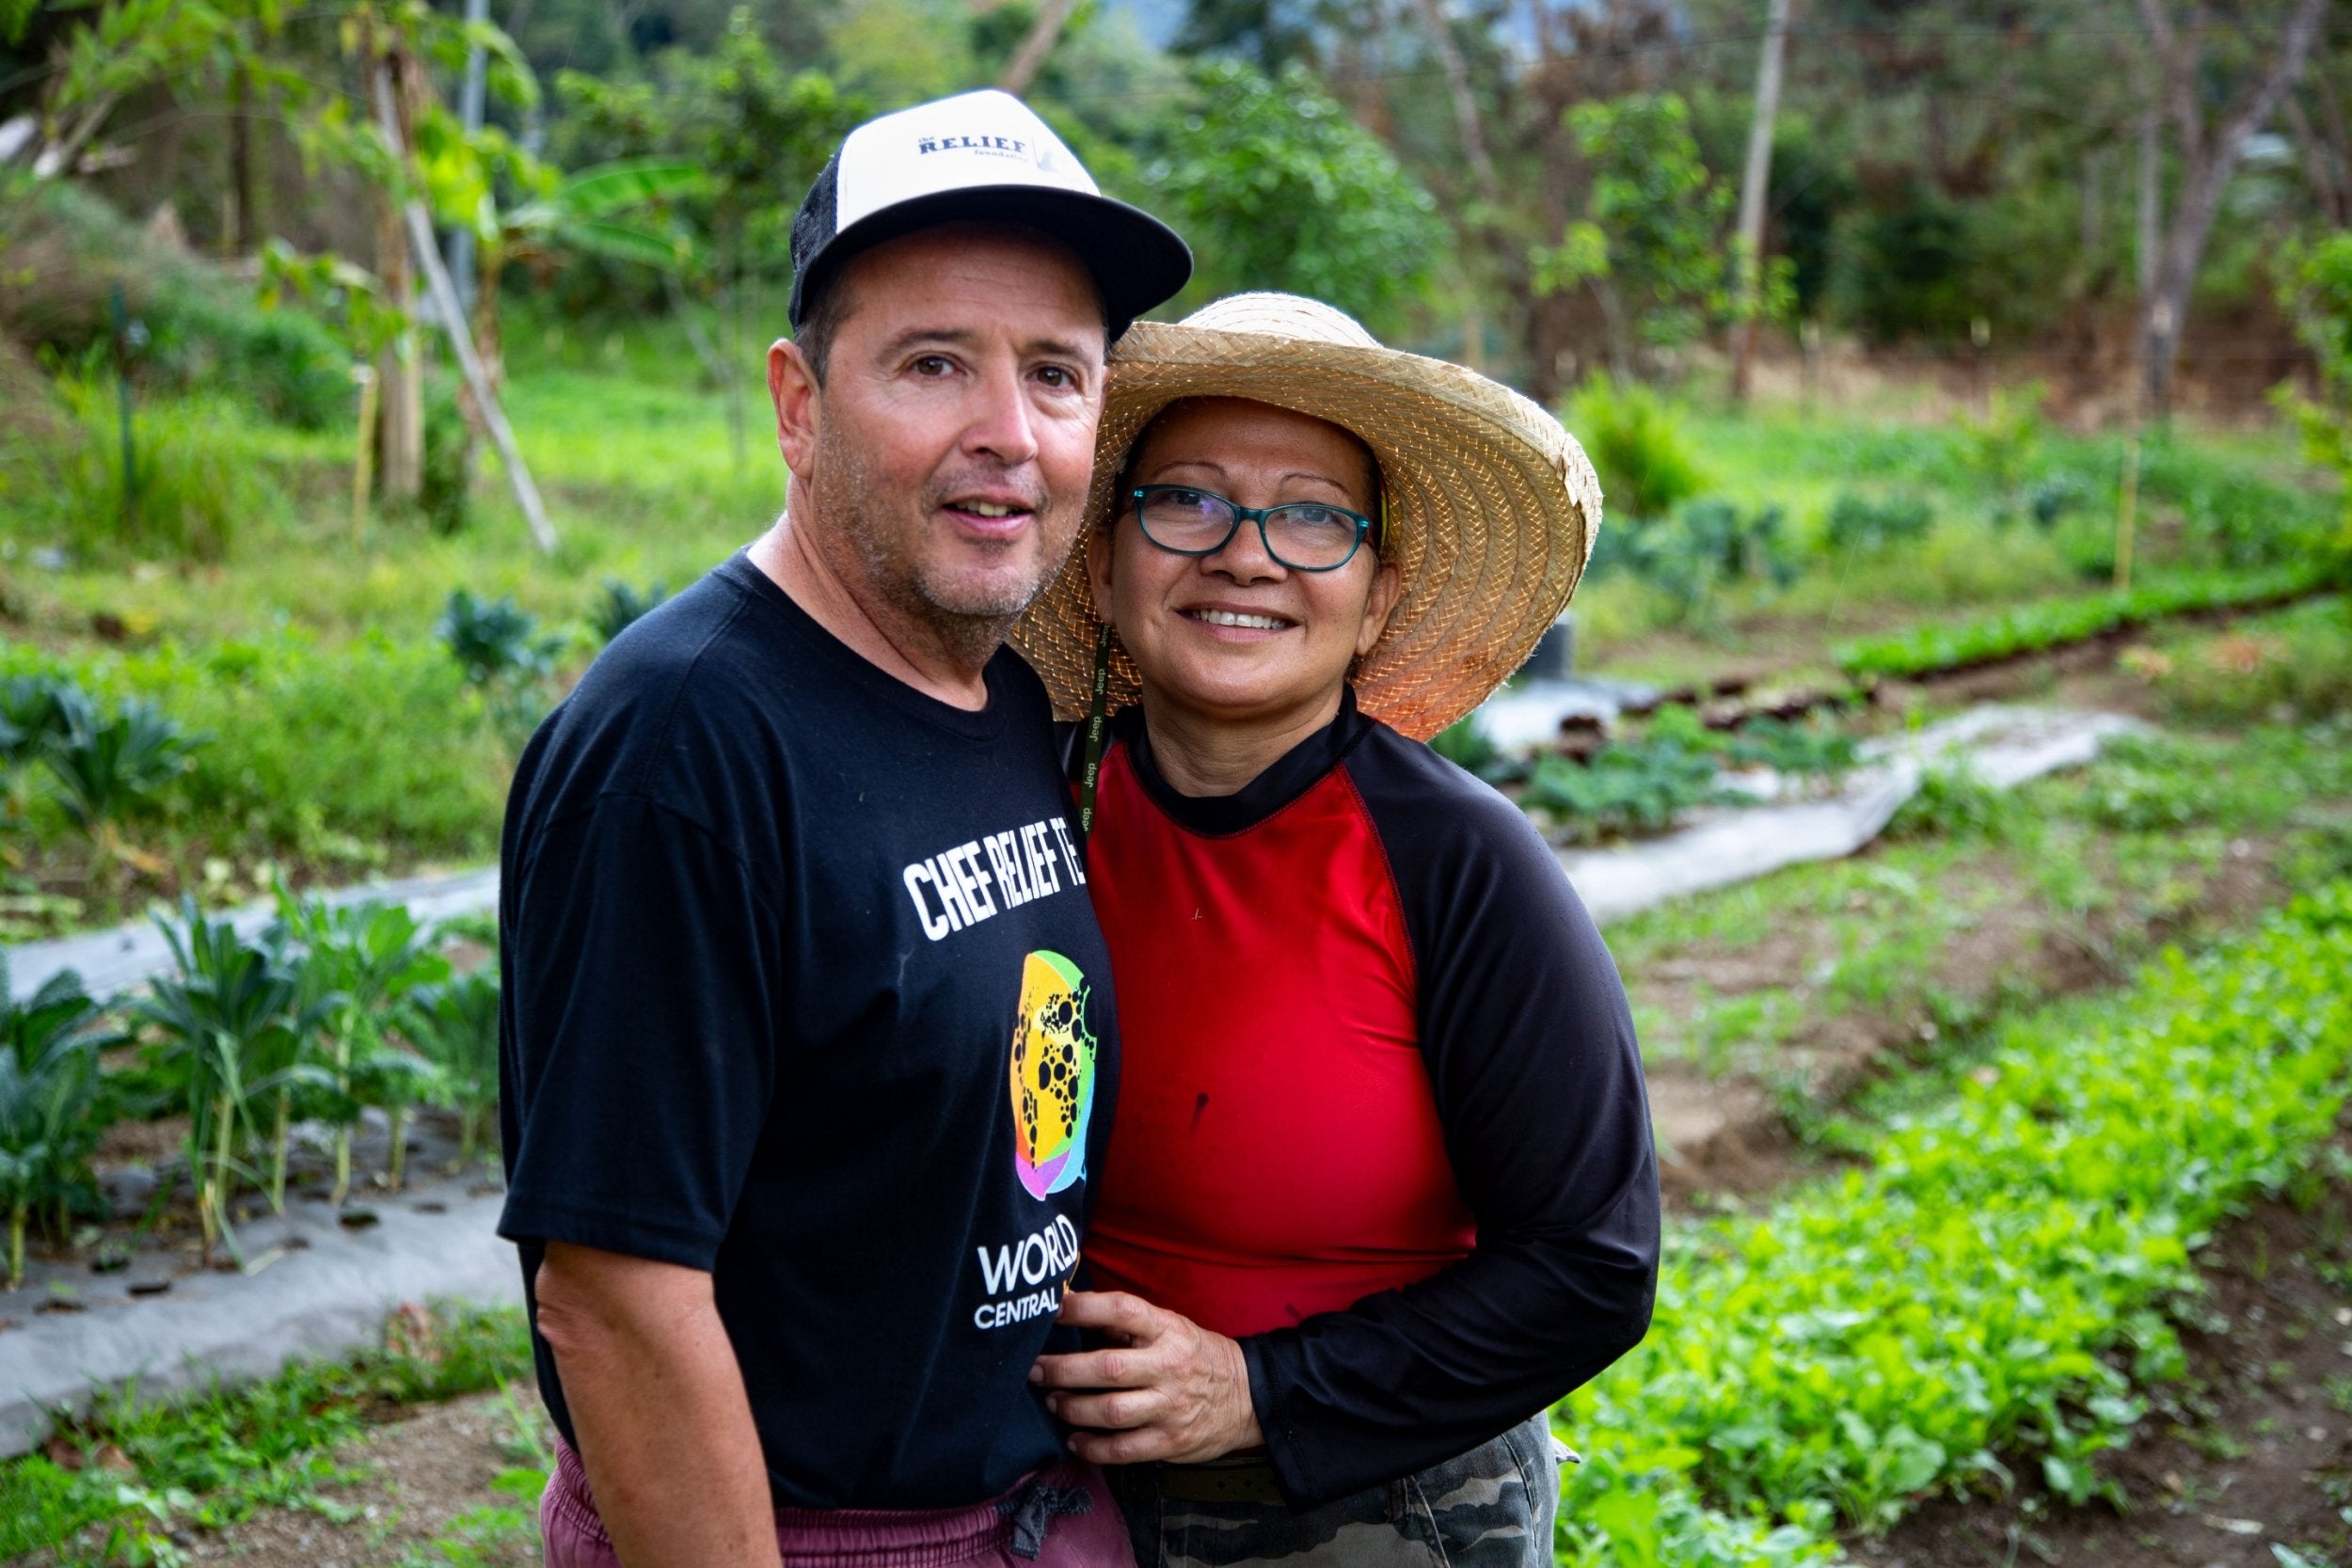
[(1538, 1083)]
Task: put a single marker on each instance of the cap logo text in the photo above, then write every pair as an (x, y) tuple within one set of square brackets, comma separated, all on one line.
[(978, 144)]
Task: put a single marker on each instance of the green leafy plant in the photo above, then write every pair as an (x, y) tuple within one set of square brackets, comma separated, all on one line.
[(111, 767), (455, 1025), (49, 1045), (1813, 748), (622, 605), (1999, 446), (1952, 802), (1870, 523), (504, 655), (233, 1018), (1627, 787), (360, 964), (1989, 1289)]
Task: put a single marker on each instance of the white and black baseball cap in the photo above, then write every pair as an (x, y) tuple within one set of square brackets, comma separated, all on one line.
[(981, 156)]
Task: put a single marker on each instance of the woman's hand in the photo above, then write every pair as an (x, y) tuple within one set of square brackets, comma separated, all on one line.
[(1167, 1389)]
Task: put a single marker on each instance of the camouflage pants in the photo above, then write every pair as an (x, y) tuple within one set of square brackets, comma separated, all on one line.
[(1491, 1508)]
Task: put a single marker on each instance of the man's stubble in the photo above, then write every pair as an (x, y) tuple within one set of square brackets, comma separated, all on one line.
[(969, 622)]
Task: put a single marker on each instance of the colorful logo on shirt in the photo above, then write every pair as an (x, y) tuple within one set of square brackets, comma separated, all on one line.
[(1052, 1075)]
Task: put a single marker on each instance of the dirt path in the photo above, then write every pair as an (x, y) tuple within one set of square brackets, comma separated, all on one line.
[(2245, 1464), (424, 1494)]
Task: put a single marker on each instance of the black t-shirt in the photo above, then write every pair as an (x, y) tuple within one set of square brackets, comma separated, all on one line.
[(803, 988)]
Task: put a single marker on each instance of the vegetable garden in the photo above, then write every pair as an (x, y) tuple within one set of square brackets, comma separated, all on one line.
[(2009, 1177)]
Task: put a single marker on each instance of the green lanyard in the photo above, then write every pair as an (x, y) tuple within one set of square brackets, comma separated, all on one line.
[(1097, 718)]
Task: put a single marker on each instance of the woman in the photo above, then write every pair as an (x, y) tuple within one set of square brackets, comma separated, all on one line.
[(1380, 1188)]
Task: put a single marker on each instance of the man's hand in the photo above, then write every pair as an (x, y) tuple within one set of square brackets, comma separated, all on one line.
[(1166, 1389), (657, 1399)]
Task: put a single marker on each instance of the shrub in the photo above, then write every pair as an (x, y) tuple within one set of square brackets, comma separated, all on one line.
[(1636, 441), (1281, 189), (505, 655), (206, 330), (1859, 522)]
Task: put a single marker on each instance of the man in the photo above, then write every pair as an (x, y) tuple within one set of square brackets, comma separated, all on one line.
[(807, 1048)]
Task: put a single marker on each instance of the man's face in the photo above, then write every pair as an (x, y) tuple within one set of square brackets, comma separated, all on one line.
[(954, 435)]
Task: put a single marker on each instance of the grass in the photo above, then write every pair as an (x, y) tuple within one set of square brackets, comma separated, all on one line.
[(140, 1468), (2209, 499), (2112, 861), (1990, 1292)]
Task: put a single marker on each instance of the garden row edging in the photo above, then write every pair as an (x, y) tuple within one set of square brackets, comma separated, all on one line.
[(327, 1296)]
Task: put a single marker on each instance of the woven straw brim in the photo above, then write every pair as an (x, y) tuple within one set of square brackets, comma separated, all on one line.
[(1491, 511)]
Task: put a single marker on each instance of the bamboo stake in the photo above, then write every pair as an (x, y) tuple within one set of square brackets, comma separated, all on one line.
[(364, 465)]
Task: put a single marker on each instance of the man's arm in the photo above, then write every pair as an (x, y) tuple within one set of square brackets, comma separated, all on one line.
[(656, 1399)]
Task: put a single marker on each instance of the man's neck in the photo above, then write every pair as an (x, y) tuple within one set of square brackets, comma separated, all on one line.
[(1201, 754), (876, 631)]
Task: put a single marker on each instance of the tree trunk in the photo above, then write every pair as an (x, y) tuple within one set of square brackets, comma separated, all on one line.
[(428, 258), (1753, 188), (237, 233), (1030, 57), (1457, 86), (399, 375), (2207, 161)]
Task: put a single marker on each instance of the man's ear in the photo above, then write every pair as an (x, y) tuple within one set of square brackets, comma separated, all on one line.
[(793, 386), (1098, 548), (1385, 587)]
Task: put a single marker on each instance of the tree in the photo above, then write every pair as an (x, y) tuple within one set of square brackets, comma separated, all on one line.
[(2187, 57), (1279, 189), (1651, 247), (757, 133)]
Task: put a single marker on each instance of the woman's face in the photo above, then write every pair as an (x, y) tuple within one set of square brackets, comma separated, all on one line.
[(1237, 635)]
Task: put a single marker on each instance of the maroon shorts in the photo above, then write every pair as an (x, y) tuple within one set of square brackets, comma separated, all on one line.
[(1060, 1517)]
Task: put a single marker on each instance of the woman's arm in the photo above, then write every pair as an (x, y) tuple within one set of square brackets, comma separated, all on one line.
[(1533, 1063), (1537, 1077)]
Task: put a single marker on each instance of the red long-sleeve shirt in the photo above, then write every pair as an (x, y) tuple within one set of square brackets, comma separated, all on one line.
[(1381, 1113)]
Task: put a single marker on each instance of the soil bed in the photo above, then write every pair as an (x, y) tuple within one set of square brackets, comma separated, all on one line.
[(2252, 1452)]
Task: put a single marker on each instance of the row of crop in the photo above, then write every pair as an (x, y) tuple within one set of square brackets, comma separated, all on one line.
[(1991, 1290), (327, 1012), (2035, 628)]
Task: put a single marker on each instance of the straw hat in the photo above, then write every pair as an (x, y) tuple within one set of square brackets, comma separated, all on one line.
[(1491, 508)]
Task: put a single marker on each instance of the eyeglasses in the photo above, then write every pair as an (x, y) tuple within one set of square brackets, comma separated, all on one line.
[(1305, 536)]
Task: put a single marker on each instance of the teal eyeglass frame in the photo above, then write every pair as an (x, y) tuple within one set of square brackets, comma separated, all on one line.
[(1257, 515)]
